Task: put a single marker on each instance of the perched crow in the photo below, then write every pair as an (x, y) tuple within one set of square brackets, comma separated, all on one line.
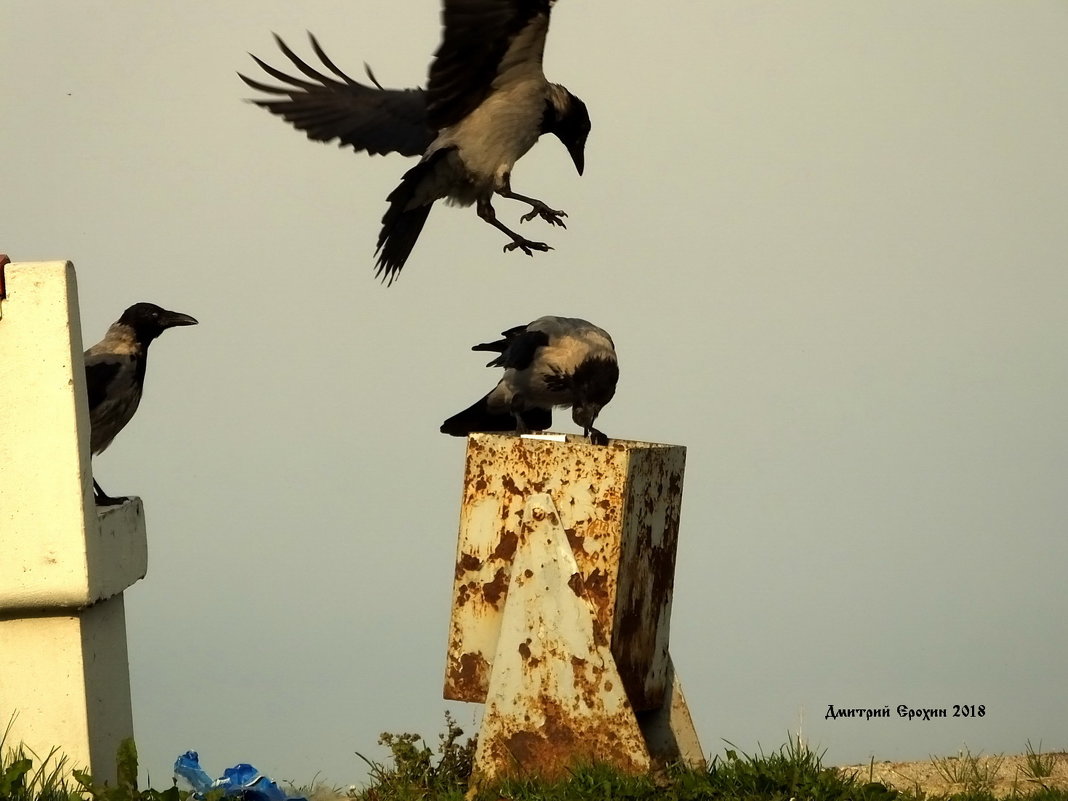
[(554, 361), (486, 103), (115, 374)]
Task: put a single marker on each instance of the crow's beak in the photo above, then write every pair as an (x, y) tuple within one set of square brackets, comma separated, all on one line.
[(578, 155), (171, 319)]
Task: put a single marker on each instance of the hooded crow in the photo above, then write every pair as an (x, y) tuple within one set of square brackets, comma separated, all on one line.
[(486, 103), (554, 361), (115, 374)]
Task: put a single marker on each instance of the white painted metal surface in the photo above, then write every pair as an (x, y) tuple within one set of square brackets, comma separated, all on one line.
[(64, 564)]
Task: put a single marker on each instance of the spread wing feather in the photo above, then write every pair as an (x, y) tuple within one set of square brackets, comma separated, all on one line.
[(326, 108), (479, 37)]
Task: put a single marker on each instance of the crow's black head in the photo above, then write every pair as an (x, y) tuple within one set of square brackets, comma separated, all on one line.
[(149, 320), (593, 385), (567, 117)]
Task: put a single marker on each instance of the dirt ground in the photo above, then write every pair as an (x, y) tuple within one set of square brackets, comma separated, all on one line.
[(1002, 778)]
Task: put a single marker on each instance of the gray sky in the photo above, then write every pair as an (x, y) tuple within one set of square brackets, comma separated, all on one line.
[(828, 238)]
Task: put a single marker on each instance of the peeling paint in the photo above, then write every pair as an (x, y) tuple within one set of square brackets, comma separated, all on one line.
[(470, 672), (494, 590)]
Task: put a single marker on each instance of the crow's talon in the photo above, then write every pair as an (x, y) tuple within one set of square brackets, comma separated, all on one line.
[(597, 437), (527, 246), (550, 216)]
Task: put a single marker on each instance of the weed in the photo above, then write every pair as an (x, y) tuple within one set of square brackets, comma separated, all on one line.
[(1038, 766), (414, 773), (596, 782), (20, 782), (315, 790), (125, 788), (974, 774), (794, 771)]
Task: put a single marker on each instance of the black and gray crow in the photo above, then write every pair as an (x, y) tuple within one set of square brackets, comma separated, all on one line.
[(554, 361), (115, 374), (486, 103)]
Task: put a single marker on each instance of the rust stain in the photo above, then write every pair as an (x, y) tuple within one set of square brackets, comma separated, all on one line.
[(596, 585), (493, 591), (468, 678), (505, 549), (562, 741), (532, 662), (576, 541), (468, 562), (575, 583), (509, 485), (586, 679)]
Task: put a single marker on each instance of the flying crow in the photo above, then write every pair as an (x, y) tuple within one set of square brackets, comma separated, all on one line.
[(554, 361), (115, 374), (486, 103)]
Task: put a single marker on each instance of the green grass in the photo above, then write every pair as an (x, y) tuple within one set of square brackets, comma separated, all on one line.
[(791, 772), (1039, 766), (416, 772), (971, 772), (21, 781)]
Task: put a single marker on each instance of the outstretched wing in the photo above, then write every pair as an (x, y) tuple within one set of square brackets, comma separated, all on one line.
[(484, 45), (369, 118)]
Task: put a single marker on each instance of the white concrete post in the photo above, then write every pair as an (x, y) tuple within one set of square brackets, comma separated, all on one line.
[(561, 611), (64, 564)]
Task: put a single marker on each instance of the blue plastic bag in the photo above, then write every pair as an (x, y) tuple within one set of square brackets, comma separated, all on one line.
[(242, 780)]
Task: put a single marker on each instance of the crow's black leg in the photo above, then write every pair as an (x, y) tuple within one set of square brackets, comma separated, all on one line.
[(102, 498), (485, 211), (517, 412), (537, 209)]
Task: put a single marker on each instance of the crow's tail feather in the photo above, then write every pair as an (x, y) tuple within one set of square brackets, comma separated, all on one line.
[(478, 417), (402, 223), (396, 241)]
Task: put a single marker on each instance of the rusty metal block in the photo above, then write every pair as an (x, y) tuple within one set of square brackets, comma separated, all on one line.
[(619, 506)]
